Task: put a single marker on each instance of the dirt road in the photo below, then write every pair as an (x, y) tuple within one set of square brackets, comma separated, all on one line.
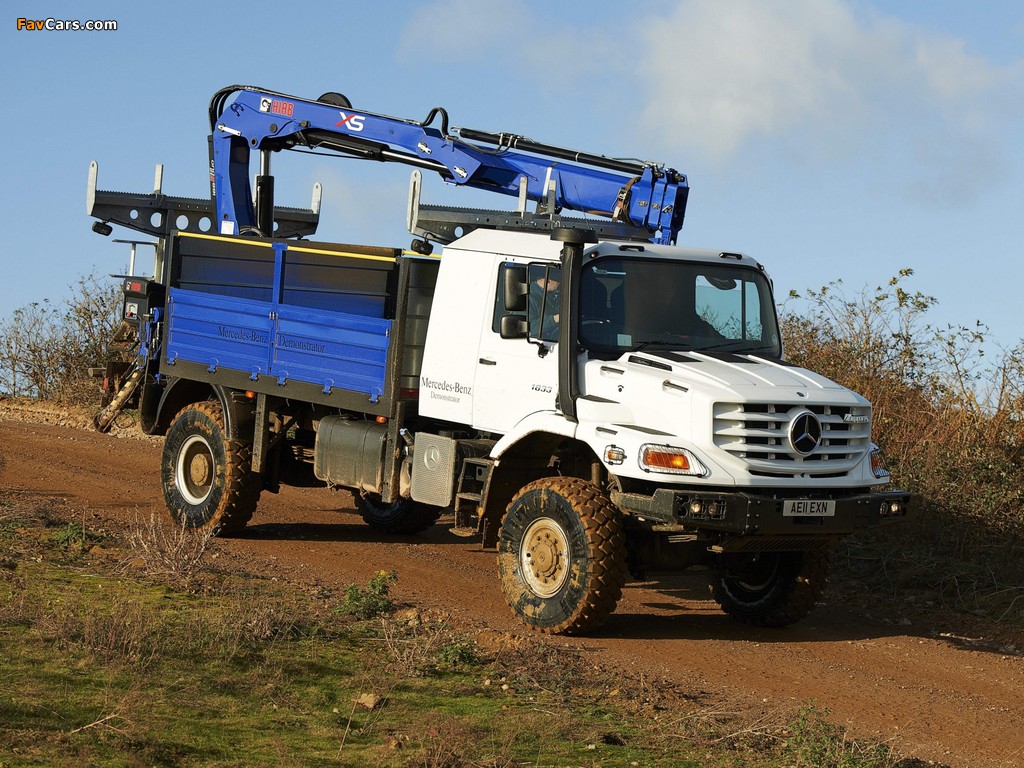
[(938, 688)]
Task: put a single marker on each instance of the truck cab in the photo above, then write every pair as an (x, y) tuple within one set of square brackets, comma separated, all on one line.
[(678, 349), (713, 448)]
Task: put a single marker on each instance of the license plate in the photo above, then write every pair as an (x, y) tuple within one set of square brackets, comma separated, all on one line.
[(809, 508)]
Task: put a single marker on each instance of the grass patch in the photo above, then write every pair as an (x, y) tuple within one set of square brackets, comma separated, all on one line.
[(817, 743), (115, 665)]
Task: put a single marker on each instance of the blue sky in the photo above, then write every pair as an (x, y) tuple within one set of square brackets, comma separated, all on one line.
[(826, 138)]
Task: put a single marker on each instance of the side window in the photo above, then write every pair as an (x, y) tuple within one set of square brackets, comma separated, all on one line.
[(544, 301), (499, 301)]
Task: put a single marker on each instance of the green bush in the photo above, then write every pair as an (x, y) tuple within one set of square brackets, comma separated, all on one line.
[(371, 602), (458, 653), (74, 539)]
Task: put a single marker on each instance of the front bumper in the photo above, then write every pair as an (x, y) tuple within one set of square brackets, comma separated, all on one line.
[(748, 514)]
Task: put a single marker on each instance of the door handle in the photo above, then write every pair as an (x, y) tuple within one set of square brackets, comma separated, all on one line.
[(485, 361)]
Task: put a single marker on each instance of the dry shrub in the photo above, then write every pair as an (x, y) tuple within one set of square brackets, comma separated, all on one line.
[(46, 348), (949, 419), (259, 623), (122, 630), (17, 606), (442, 741), (245, 629), (170, 551), (418, 645), (16, 506)]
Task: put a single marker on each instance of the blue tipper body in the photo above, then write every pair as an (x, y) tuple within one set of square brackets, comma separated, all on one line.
[(283, 329)]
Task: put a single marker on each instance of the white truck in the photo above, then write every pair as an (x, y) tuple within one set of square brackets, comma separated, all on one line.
[(589, 398)]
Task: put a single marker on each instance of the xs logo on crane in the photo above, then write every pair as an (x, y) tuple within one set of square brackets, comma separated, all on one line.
[(353, 122)]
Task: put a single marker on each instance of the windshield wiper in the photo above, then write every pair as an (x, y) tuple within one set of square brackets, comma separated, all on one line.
[(651, 342), (727, 346)]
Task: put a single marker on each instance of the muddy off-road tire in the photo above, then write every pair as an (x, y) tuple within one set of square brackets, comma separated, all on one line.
[(403, 516), (562, 556), (207, 477), (770, 589)]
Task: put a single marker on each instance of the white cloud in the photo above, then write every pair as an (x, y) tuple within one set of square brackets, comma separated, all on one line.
[(730, 69), (950, 72), (826, 84), (812, 75)]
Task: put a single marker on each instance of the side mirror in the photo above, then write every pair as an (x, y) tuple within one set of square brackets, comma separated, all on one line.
[(516, 287), (513, 327)]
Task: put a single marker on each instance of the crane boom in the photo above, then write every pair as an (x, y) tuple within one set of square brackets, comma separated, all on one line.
[(643, 195)]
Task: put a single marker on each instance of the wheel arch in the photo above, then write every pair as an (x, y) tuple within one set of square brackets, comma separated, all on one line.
[(239, 410), (519, 463)]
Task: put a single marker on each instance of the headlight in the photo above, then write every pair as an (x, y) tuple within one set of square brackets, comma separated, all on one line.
[(672, 461), (878, 464)]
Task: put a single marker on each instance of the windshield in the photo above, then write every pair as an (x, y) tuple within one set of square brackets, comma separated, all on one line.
[(628, 304)]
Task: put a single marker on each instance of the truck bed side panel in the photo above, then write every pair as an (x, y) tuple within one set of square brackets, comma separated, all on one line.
[(332, 349), (280, 313), (329, 349), (218, 331)]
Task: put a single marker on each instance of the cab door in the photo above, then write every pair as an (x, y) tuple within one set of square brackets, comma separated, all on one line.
[(514, 377)]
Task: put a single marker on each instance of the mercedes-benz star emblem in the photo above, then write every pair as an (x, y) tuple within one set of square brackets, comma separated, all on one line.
[(805, 433)]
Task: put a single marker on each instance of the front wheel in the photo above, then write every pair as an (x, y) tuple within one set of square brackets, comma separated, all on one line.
[(207, 477), (562, 555), (770, 589)]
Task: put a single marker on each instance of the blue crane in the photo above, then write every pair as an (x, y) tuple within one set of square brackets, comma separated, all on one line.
[(643, 200)]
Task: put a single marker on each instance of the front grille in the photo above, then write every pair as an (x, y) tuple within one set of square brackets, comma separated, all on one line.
[(759, 435)]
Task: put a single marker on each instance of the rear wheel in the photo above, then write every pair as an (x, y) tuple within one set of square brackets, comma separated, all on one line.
[(770, 589), (207, 477), (401, 516), (562, 555)]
